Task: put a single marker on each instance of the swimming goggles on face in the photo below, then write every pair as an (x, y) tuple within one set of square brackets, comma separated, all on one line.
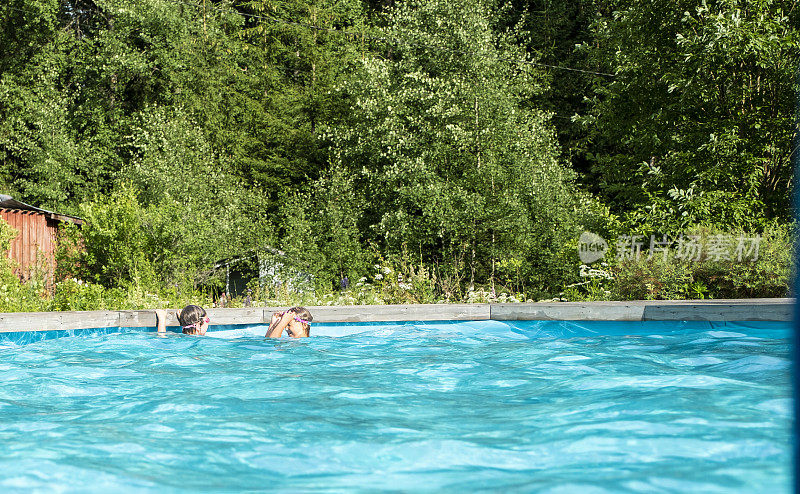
[(205, 320), (301, 320)]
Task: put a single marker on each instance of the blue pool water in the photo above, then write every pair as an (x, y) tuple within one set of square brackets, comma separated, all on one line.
[(479, 406)]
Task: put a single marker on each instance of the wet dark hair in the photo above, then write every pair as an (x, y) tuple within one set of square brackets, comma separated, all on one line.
[(304, 314), (190, 315)]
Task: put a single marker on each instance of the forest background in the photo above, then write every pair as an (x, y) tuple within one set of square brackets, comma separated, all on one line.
[(394, 151)]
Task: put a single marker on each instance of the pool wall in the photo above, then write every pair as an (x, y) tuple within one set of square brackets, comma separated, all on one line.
[(776, 309)]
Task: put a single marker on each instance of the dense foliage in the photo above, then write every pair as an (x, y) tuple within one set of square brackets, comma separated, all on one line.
[(418, 150), (698, 120)]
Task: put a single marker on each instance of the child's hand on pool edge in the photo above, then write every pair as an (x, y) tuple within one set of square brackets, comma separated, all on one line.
[(161, 320)]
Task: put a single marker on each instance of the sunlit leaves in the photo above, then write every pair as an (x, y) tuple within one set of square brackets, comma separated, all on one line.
[(705, 93), (444, 148)]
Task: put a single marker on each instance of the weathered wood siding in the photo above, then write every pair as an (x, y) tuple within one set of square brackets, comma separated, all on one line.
[(779, 309), (35, 243)]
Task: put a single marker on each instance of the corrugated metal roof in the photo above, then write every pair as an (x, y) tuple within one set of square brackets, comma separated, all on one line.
[(8, 202)]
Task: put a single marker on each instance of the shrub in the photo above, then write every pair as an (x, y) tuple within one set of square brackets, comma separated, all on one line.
[(652, 279), (714, 276), (767, 276)]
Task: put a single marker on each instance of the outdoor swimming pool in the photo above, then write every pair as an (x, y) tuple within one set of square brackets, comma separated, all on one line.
[(503, 406)]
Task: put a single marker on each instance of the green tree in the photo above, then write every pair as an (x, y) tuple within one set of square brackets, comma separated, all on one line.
[(38, 153), (295, 56), (551, 29), (323, 235), (452, 162), (696, 125)]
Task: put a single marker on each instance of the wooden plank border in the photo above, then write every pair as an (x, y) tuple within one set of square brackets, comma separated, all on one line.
[(647, 310)]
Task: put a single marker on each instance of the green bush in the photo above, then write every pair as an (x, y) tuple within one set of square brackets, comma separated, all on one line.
[(73, 294), (710, 276), (767, 276), (653, 278), (115, 245)]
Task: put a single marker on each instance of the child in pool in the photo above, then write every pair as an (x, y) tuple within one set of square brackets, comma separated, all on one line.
[(192, 318), (296, 321)]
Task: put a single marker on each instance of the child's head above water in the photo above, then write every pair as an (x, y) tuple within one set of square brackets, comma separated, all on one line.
[(300, 325), (296, 321), (193, 320)]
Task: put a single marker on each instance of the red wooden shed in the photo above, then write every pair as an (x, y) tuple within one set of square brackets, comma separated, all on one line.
[(35, 243)]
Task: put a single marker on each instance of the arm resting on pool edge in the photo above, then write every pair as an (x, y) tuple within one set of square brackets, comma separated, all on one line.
[(161, 321), (279, 323)]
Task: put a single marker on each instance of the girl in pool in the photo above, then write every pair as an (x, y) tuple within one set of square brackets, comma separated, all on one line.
[(296, 321), (194, 321), (192, 318)]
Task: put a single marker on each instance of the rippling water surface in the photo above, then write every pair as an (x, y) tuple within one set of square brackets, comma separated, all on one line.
[(525, 407)]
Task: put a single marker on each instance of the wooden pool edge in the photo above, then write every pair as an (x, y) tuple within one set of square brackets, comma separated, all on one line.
[(774, 309)]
